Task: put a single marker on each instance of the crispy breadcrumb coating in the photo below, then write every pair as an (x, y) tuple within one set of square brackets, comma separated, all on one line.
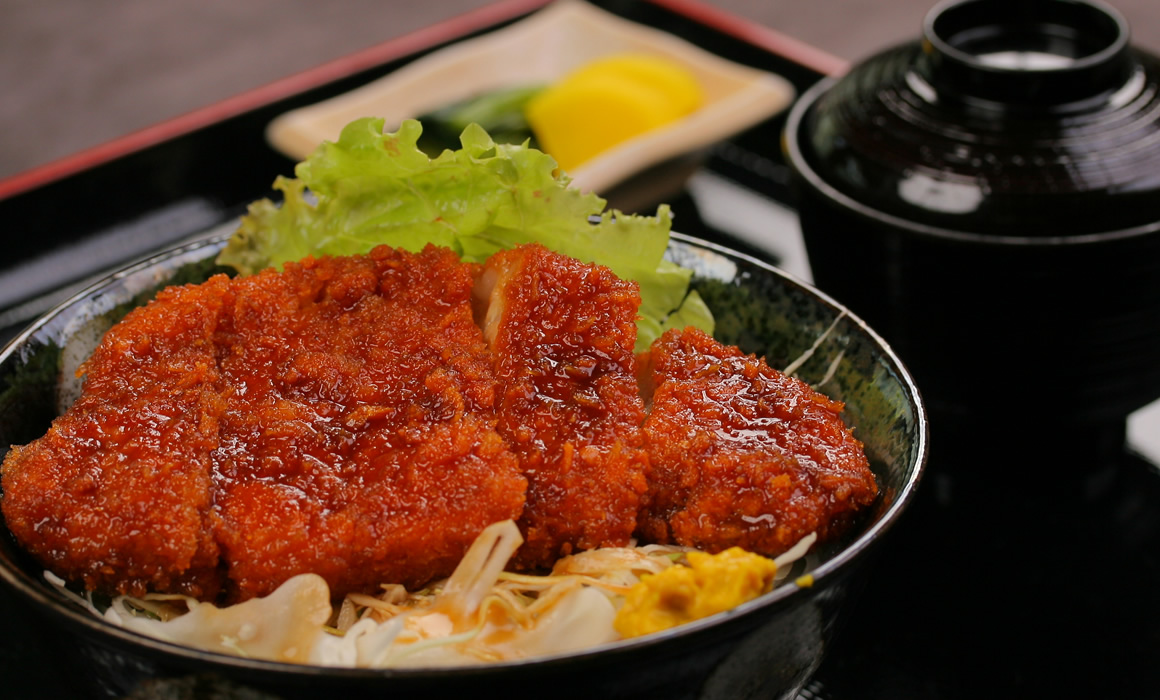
[(742, 455), (562, 333), (336, 417), (353, 418)]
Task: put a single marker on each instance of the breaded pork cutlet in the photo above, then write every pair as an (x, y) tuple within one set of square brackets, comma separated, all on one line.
[(740, 454), (335, 418), (360, 442), (117, 494), (562, 333), (348, 417)]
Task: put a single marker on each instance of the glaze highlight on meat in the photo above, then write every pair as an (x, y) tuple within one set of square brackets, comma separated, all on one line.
[(562, 333), (335, 418), (364, 418), (742, 455)]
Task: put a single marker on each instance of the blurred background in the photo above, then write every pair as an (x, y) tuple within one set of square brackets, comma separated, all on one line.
[(77, 73)]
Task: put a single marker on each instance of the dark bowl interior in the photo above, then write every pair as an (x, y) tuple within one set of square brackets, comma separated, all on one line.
[(766, 648)]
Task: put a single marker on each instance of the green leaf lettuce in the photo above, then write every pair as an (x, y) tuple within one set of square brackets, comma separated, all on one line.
[(372, 188)]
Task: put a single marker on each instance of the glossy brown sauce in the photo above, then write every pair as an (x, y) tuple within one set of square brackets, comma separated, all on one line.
[(348, 417), (741, 454), (569, 404), (339, 421)]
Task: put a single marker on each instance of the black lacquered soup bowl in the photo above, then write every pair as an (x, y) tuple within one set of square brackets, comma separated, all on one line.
[(988, 198), (763, 649)]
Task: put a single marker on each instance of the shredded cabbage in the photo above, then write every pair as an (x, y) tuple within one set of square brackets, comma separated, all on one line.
[(480, 614)]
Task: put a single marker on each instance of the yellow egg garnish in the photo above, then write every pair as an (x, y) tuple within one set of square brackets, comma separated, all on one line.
[(608, 101), (712, 583)]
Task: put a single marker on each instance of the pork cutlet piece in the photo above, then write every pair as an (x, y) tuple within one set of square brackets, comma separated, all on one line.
[(563, 332), (118, 493), (741, 454), (362, 444), (349, 432)]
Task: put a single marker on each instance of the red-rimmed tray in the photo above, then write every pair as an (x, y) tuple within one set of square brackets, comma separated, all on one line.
[(946, 614)]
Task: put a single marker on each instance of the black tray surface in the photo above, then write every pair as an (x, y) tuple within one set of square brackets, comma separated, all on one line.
[(1001, 582)]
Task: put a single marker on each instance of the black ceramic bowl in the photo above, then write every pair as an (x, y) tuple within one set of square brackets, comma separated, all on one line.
[(988, 198), (766, 648)]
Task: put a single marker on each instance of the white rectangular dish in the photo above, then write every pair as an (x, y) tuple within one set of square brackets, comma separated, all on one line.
[(538, 50)]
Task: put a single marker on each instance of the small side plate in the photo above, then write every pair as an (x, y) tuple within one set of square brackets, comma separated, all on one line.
[(541, 49)]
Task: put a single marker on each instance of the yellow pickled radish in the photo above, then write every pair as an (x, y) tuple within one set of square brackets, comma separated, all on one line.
[(608, 101), (672, 79)]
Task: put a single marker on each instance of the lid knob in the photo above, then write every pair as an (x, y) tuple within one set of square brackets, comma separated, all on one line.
[(1040, 53)]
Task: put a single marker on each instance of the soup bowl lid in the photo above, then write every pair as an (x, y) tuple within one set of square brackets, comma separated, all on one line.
[(1025, 120)]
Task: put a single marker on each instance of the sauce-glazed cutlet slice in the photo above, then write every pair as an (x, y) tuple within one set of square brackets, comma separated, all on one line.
[(742, 455), (359, 443), (335, 418), (117, 494), (563, 333)]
